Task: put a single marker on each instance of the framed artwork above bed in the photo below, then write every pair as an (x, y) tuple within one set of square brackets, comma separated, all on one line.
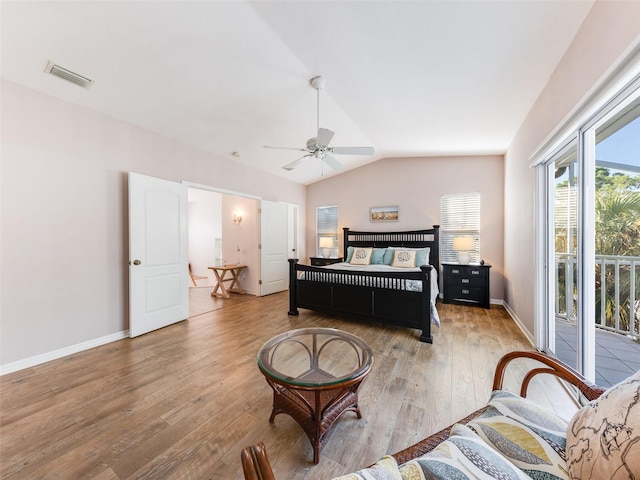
[(383, 214)]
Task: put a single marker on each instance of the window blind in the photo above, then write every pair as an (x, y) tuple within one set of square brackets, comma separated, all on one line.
[(327, 226), (459, 216)]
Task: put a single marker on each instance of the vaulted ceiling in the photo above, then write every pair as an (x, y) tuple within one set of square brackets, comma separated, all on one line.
[(410, 78)]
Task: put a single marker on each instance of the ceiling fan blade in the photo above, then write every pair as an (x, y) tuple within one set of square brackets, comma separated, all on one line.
[(295, 163), (287, 148), (332, 162), (353, 150), (324, 137)]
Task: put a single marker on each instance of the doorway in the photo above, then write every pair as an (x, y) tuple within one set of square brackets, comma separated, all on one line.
[(228, 228)]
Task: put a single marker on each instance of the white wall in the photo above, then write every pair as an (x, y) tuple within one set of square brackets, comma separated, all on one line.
[(64, 255), (205, 225), (244, 237), (609, 29), (416, 185)]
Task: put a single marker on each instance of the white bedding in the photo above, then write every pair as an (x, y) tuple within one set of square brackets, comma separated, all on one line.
[(412, 285)]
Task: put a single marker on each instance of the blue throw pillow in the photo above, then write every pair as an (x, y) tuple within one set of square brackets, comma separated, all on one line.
[(377, 257), (349, 254)]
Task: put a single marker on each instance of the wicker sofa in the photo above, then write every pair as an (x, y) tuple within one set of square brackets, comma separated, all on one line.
[(511, 437)]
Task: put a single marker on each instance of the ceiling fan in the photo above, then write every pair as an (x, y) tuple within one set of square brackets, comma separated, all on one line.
[(318, 146)]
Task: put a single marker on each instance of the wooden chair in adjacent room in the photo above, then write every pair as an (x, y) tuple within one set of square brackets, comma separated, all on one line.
[(195, 277)]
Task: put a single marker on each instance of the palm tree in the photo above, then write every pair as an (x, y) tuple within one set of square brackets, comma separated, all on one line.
[(617, 233)]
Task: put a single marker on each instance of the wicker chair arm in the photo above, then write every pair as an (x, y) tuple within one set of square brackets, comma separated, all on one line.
[(255, 463), (553, 367)]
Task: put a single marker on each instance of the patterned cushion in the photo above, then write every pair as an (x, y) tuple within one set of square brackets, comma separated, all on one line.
[(532, 438), (361, 256), (384, 469), (527, 411), (463, 455), (422, 255), (603, 439), (404, 258)]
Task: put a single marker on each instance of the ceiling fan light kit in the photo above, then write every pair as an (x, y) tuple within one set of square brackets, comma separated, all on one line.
[(318, 146)]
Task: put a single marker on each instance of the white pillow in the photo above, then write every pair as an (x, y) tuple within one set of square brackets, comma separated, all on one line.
[(422, 255), (361, 256), (404, 258)]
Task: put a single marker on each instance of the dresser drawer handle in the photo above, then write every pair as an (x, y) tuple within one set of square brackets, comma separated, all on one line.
[(455, 270), (465, 280), (465, 291), (475, 272)]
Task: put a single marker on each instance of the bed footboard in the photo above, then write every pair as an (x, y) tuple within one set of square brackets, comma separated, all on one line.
[(389, 298)]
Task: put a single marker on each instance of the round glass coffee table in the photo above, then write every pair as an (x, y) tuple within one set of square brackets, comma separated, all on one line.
[(315, 374)]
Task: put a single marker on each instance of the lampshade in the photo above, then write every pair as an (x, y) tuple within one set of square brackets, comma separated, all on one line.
[(326, 242), (463, 244)]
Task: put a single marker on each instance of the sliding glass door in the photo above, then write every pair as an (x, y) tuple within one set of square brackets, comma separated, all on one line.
[(563, 223), (617, 243), (591, 187)]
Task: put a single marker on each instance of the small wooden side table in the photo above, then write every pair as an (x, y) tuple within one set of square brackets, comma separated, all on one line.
[(220, 273)]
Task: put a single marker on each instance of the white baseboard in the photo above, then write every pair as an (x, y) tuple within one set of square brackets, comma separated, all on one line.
[(63, 352), (519, 323)]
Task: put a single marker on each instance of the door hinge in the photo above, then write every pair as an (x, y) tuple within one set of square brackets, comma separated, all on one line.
[(259, 282), (259, 211), (259, 246)]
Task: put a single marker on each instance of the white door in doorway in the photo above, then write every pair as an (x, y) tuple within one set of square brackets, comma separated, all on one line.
[(158, 249), (274, 267)]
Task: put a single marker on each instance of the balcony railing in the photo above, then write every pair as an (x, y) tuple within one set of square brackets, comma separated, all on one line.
[(617, 292)]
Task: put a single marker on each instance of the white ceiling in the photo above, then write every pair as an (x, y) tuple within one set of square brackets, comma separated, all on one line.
[(410, 78)]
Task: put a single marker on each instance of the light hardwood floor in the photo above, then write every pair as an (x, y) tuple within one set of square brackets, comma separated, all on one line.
[(181, 402)]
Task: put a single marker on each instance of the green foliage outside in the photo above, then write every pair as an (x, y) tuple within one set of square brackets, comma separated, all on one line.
[(617, 205)]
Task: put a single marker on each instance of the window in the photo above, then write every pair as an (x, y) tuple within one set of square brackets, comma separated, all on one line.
[(460, 217), (327, 231)]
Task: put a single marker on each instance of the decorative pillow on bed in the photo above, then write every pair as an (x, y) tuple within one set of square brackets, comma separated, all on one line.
[(377, 257), (361, 256), (463, 455), (603, 438), (404, 258), (422, 255)]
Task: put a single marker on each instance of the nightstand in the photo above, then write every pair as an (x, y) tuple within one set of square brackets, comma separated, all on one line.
[(466, 284), (321, 261)]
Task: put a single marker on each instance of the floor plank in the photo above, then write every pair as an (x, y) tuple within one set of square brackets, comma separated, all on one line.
[(181, 402)]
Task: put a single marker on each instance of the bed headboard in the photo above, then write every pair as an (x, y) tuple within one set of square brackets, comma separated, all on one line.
[(409, 239)]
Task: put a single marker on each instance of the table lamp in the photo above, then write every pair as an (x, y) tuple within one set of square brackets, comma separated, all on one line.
[(326, 243), (463, 245)]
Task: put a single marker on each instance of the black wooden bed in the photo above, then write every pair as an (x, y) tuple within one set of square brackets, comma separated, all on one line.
[(400, 298)]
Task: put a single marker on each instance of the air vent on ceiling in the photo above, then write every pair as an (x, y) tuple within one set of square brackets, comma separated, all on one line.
[(68, 75)]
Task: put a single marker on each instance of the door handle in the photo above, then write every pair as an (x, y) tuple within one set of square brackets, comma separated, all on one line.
[(137, 262)]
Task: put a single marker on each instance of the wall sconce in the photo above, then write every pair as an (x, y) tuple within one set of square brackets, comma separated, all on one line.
[(463, 245), (237, 219)]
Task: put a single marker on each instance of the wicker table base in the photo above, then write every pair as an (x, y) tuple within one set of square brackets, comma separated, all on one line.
[(314, 410)]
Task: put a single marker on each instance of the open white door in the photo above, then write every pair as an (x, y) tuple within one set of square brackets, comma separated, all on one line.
[(274, 267), (158, 250)]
